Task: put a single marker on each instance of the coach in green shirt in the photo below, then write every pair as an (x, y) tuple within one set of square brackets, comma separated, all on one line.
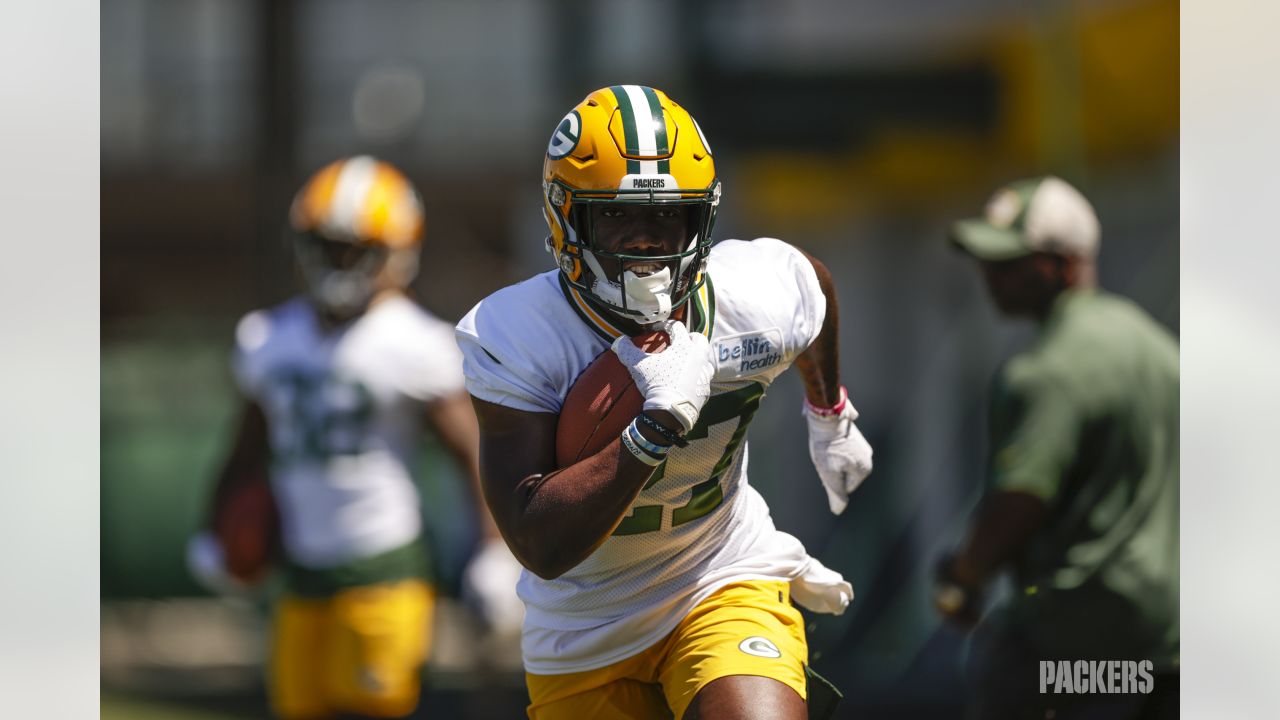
[(1082, 488)]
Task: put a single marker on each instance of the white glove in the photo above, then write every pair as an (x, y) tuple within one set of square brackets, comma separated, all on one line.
[(206, 564), (821, 589), (489, 582), (678, 379), (839, 453)]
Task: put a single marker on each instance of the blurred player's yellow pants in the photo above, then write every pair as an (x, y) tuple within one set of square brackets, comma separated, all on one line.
[(747, 628), (360, 651)]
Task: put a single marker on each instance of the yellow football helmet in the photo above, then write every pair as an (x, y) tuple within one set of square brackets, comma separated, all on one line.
[(633, 144), (354, 220)]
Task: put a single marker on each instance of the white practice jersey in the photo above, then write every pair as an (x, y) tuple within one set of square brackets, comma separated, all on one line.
[(697, 525), (345, 409)]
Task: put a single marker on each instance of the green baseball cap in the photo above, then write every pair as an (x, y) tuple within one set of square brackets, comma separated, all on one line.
[(1044, 214)]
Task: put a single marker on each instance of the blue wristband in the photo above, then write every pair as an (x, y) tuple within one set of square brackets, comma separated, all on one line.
[(629, 442), (653, 448)]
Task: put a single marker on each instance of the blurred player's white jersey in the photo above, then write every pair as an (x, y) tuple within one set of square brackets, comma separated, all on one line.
[(697, 525), (345, 408)]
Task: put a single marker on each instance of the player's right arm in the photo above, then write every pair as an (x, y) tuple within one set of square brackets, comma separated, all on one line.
[(248, 459), (552, 519), (246, 464)]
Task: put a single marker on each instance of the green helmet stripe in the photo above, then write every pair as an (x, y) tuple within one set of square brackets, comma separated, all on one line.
[(629, 133), (659, 122), (644, 128)]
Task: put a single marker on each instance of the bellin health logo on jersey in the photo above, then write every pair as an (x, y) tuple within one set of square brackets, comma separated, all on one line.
[(750, 352)]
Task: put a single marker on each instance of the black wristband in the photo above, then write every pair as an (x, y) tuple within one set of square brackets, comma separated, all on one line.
[(667, 433)]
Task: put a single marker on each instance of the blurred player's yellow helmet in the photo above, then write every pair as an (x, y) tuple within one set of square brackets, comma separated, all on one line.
[(628, 143), (352, 220)]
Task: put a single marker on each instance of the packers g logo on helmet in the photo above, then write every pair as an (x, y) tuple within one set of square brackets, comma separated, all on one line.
[(353, 220), (628, 144), (565, 138)]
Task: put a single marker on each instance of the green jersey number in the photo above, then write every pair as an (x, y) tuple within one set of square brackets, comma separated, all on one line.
[(706, 495), (320, 416)]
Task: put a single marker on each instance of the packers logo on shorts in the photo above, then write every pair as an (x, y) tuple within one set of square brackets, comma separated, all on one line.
[(565, 138), (760, 647)]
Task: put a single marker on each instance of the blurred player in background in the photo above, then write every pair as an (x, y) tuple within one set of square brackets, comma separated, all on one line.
[(656, 583), (338, 384), (1082, 495)]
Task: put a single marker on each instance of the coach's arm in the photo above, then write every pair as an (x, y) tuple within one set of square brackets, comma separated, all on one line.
[(1004, 525)]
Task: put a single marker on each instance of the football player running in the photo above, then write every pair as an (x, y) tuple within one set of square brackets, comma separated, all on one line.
[(656, 584), (338, 384)]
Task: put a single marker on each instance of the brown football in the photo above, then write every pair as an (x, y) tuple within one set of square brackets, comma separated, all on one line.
[(601, 403), (247, 526)]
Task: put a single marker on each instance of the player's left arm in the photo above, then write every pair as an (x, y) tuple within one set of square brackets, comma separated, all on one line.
[(841, 455), (819, 364)]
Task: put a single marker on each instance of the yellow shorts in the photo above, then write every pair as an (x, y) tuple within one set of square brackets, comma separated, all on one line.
[(360, 651), (747, 628)]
